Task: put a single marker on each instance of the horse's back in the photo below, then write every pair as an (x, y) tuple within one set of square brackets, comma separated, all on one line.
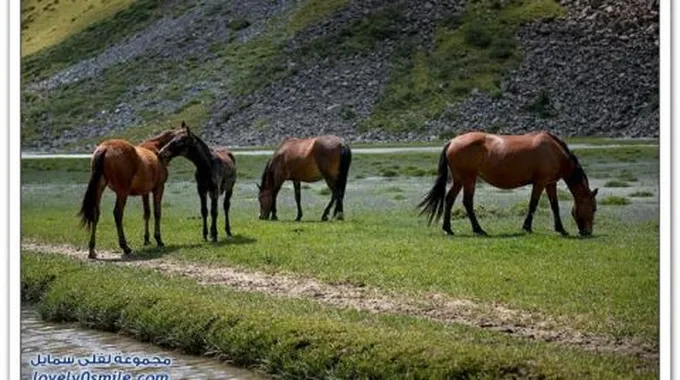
[(227, 162), (310, 159), (120, 163), (506, 161), (129, 168)]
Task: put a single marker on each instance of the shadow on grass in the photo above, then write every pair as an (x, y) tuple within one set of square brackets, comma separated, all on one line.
[(310, 220), (504, 235), (507, 235), (576, 236), (234, 240), (151, 252)]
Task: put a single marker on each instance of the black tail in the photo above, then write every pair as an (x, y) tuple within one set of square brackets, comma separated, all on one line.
[(345, 161), (88, 211), (433, 204)]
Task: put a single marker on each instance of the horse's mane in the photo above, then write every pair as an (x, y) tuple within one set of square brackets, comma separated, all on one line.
[(202, 143), (199, 153), (577, 174), (264, 174)]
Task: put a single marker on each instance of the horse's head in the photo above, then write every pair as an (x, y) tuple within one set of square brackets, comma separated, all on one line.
[(584, 209), (265, 194), (179, 144)]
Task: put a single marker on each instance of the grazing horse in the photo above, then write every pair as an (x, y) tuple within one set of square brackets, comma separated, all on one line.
[(306, 160), (507, 162), (215, 174), (127, 170)]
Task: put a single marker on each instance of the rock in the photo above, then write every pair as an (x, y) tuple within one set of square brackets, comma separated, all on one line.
[(598, 65)]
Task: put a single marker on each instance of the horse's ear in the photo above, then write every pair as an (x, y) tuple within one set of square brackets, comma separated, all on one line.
[(259, 188), (186, 127), (594, 192)]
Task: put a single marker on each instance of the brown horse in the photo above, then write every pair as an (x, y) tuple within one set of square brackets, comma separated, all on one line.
[(215, 174), (507, 162), (306, 160), (127, 170)]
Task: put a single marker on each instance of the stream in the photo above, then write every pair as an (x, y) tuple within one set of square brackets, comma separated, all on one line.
[(49, 350)]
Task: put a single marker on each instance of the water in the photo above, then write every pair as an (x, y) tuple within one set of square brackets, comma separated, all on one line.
[(377, 150), (68, 340)]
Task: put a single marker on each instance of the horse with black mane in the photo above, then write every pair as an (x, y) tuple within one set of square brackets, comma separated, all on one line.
[(215, 174), (127, 170), (539, 159), (306, 160)]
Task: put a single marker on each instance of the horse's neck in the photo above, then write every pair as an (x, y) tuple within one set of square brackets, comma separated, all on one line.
[(200, 156), (576, 181), (156, 143), (274, 178)]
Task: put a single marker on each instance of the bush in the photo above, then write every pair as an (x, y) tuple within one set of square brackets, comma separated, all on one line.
[(613, 200), (616, 183), (542, 106), (503, 48), (478, 34), (641, 194), (238, 24)]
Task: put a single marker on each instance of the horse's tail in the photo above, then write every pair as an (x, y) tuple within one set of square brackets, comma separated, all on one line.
[(88, 210), (345, 161), (433, 204)]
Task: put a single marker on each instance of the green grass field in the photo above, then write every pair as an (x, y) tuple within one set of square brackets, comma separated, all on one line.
[(605, 285)]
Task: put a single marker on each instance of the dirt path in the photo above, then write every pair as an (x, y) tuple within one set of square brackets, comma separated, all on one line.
[(432, 306)]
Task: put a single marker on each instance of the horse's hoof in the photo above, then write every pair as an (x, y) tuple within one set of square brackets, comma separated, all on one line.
[(340, 216), (274, 218), (563, 232), (447, 230), (324, 218), (146, 242), (298, 219), (92, 255), (127, 251), (481, 233), (527, 230)]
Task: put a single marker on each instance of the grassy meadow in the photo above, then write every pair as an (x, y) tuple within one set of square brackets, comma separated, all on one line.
[(606, 285)]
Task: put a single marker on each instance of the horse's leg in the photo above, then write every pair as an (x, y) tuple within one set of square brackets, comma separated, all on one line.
[(147, 215), (275, 193), (331, 185), (339, 197), (202, 194), (536, 192), (227, 204), (213, 215), (468, 195), (551, 189), (121, 199), (450, 200), (157, 201), (93, 232), (296, 185)]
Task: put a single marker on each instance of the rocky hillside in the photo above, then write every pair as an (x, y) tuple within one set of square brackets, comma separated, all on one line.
[(254, 71)]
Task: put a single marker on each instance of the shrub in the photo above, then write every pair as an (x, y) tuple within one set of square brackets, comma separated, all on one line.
[(478, 34), (238, 24), (616, 183), (614, 200)]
